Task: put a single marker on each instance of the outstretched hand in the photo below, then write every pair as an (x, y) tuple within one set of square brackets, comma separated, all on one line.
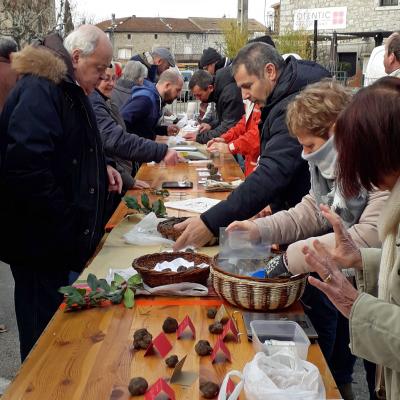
[(345, 253), (334, 284)]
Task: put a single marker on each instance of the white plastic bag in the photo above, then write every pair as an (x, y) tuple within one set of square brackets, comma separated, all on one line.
[(281, 376), (145, 233)]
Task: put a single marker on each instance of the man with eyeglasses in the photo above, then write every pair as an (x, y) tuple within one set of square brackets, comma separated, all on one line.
[(54, 181)]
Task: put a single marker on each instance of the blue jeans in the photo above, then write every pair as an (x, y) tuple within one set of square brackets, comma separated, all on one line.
[(36, 300)]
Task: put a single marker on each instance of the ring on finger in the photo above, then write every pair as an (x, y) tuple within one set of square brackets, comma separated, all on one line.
[(328, 278)]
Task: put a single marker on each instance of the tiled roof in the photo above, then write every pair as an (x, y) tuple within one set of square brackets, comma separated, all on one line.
[(174, 25), (214, 24), (160, 25)]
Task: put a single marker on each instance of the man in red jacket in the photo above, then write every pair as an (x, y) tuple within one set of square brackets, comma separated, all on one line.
[(243, 138)]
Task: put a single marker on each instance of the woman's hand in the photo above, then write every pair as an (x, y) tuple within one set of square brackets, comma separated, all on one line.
[(248, 226), (219, 147), (346, 253), (334, 284)]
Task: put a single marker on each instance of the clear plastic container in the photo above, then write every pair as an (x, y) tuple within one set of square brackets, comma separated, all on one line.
[(286, 331)]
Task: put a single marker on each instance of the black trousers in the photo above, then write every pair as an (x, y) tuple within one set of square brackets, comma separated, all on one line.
[(36, 300)]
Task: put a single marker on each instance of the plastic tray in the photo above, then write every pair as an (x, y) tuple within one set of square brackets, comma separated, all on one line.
[(279, 330)]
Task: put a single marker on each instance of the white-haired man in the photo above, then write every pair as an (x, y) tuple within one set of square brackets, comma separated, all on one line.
[(53, 177)]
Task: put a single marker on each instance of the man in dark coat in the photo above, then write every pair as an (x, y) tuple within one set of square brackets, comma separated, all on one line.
[(224, 92), (281, 178), (143, 110), (54, 181)]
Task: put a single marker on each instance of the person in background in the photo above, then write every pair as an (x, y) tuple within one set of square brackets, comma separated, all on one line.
[(367, 138), (8, 75), (143, 110), (212, 61), (133, 74), (243, 138), (224, 92), (125, 148), (164, 60), (391, 58), (311, 117), (281, 178), (53, 168)]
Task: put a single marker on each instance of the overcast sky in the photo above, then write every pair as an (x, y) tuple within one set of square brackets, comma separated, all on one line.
[(102, 9)]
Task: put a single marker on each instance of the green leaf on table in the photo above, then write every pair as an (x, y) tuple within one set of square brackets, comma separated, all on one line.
[(92, 282), (129, 298), (119, 280), (135, 280), (145, 201), (116, 297), (159, 208), (65, 289), (131, 202), (103, 284), (81, 291)]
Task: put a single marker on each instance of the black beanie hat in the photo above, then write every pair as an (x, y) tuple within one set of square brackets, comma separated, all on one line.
[(208, 57)]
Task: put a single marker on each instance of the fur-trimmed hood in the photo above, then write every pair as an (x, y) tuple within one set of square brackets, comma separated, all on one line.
[(39, 61), (48, 59)]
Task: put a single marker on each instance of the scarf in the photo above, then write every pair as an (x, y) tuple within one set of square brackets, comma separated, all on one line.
[(322, 164)]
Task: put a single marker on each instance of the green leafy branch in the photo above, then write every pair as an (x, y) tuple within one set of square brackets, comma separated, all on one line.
[(100, 291), (145, 207)]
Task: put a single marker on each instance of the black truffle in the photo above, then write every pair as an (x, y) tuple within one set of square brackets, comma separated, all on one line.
[(142, 339), (203, 348), (171, 361), (170, 325), (138, 386), (209, 390), (211, 312), (216, 328), (181, 269)]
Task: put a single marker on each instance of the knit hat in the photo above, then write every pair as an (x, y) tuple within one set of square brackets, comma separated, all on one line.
[(165, 54), (209, 56)]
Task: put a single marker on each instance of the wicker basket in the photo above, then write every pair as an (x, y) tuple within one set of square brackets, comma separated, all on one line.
[(166, 228), (145, 264), (255, 293)]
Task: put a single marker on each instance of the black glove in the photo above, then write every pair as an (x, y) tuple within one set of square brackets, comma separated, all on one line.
[(277, 266)]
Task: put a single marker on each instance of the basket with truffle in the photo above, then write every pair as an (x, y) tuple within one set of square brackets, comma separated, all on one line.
[(255, 293), (167, 268), (167, 229)]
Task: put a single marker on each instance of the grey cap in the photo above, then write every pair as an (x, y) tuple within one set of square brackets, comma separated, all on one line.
[(165, 54)]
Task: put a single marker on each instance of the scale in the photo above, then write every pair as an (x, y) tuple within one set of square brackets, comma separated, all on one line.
[(301, 319)]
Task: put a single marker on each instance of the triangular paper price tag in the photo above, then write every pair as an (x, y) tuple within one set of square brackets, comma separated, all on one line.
[(230, 387), (177, 370), (160, 387), (186, 323), (161, 344), (230, 330), (222, 314), (220, 351), (184, 378)]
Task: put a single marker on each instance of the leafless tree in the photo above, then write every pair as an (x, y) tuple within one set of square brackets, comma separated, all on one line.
[(24, 20)]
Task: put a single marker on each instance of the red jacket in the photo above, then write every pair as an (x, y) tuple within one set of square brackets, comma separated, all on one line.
[(244, 138)]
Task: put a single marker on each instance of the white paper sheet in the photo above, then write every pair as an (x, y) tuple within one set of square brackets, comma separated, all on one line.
[(199, 205)]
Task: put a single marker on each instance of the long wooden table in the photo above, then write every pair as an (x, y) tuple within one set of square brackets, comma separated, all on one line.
[(87, 355)]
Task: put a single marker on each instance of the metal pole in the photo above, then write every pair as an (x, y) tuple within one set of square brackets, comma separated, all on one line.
[(315, 39)]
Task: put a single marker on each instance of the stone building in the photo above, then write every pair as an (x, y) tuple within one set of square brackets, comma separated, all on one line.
[(186, 38), (360, 25)]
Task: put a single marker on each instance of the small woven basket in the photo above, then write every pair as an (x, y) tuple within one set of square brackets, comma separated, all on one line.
[(255, 293), (145, 265), (166, 228)]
